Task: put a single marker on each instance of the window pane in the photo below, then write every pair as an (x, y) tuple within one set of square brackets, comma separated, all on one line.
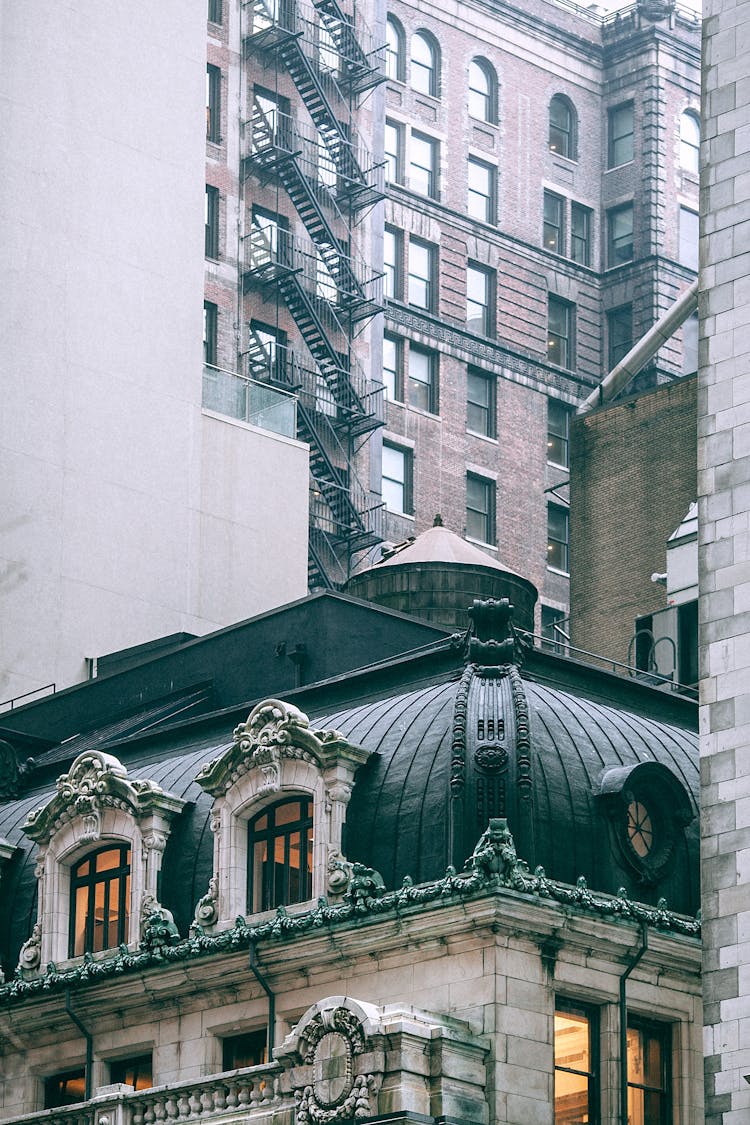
[(561, 128), (391, 263), (480, 201), (394, 51), (420, 275), (620, 135), (558, 422), (479, 314), (690, 345), (423, 65), (620, 331), (481, 92), (553, 233), (422, 165), (560, 343), (249, 1049), (480, 509), (690, 139), (396, 483), (620, 248), (557, 537), (137, 1072), (393, 150), (575, 1085), (580, 234), (480, 403), (392, 367), (421, 368)]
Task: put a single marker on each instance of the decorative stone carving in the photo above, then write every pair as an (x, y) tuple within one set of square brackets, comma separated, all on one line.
[(30, 955), (366, 885), (339, 874), (94, 783), (12, 770), (206, 910), (157, 925), (495, 857), (493, 640)]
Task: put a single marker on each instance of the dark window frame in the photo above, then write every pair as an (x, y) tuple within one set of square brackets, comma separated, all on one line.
[(394, 159), (246, 1045), (558, 546), (485, 410), (215, 13), (269, 896), (117, 877), (395, 59), (423, 387), (212, 222), (487, 318), (689, 146), (395, 374), (553, 223), (620, 246), (581, 226), (213, 104), (563, 132), (393, 271), (484, 514), (660, 1033), (430, 72), (590, 1014), (55, 1088), (431, 170), (561, 333), (558, 432), (210, 332), (136, 1070), (429, 282), (406, 484), (488, 94), (489, 197), (620, 134)]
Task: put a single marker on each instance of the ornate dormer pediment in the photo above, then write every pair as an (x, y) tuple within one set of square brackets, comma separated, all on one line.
[(275, 731), (97, 782)]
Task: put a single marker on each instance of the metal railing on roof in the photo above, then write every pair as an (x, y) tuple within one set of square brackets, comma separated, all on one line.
[(237, 396)]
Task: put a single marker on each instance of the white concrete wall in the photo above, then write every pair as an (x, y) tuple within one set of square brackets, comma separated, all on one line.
[(102, 484), (724, 559)]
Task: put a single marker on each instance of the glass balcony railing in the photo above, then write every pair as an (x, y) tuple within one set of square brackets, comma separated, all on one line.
[(237, 396)]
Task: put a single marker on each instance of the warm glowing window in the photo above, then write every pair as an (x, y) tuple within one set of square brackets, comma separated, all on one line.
[(65, 1089), (280, 850), (100, 901), (575, 1065), (248, 1049), (137, 1072), (648, 1073)]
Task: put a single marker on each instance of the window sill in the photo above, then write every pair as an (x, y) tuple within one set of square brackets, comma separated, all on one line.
[(558, 465), (482, 437), (425, 413), (556, 570), (402, 515), (616, 167), (481, 543), (561, 156)]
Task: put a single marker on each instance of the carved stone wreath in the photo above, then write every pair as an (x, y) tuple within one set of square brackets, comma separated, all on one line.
[(331, 1042)]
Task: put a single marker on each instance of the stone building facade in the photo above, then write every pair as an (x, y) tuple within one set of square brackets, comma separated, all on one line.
[(724, 571)]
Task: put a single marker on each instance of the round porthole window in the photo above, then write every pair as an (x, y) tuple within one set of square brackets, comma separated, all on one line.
[(640, 829)]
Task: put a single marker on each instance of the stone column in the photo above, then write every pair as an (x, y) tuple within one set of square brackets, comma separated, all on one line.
[(724, 557)]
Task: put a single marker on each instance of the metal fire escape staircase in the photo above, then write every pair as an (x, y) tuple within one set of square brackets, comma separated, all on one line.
[(327, 175)]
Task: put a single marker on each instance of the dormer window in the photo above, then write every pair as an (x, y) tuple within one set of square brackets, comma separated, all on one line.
[(99, 901), (280, 849)]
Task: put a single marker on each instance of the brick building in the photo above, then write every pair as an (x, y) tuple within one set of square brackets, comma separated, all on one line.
[(540, 214)]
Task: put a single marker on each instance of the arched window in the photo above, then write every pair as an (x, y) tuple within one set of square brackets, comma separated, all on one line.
[(563, 127), (424, 64), (280, 855), (690, 140), (395, 56), (99, 900), (482, 91)]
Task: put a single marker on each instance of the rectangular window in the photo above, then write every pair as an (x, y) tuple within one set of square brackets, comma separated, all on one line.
[(248, 1049), (212, 222), (558, 433), (580, 234), (137, 1072), (210, 314), (480, 508), (423, 165), (620, 135), (561, 333), (397, 478), (65, 1089), (214, 11), (688, 238), (392, 248), (422, 256), (423, 378), (480, 300), (393, 367), (619, 334), (480, 202), (213, 104), (268, 242), (480, 403), (620, 235), (576, 1064), (394, 152), (649, 1077), (558, 522), (553, 233), (690, 345)]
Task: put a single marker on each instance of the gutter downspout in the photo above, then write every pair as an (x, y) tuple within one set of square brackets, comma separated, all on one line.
[(252, 961), (646, 348), (624, 1026), (89, 1044)]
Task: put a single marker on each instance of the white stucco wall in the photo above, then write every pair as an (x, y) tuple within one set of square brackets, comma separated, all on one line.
[(102, 505)]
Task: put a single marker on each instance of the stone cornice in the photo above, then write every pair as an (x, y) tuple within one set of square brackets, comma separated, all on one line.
[(493, 871)]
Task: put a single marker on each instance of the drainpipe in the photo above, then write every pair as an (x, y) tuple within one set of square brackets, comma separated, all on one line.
[(89, 1043), (271, 999), (624, 1026), (645, 349)]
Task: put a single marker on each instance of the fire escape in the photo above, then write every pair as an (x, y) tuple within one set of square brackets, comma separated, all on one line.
[(327, 287)]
